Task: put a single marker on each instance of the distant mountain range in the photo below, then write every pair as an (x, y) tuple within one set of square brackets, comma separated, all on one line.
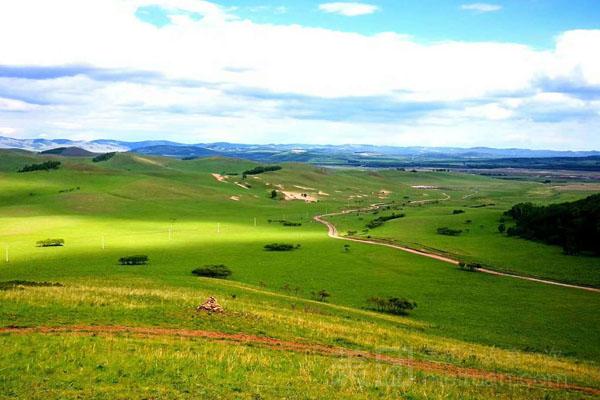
[(288, 152)]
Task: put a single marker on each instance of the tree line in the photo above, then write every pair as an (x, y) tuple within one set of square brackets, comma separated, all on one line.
[(573, 225), (260, 170), (45, 166)]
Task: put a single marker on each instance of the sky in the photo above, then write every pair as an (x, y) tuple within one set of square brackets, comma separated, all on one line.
[(506, 73)]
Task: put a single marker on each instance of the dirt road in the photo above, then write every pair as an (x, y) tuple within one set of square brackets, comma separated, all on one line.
[(333, 233)]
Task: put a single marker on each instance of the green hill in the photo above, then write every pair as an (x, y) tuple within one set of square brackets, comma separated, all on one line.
[(132, 331)]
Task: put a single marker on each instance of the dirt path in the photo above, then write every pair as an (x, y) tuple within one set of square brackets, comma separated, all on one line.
[(313, 348), (333, 233)]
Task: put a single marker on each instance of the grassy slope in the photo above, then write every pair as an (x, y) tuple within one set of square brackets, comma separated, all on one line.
[(480, 241), (134, 201)]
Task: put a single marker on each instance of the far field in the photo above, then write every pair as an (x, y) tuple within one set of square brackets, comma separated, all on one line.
[(182, 216)]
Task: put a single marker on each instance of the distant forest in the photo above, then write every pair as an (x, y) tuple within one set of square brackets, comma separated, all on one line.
[(574, 225)]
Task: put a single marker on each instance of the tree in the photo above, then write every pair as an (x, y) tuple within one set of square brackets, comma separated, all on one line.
[(219, 271), (273, 194), (134, 260), (392, 305), (323, 295)]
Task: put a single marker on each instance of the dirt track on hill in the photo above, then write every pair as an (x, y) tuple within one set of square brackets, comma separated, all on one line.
[(333, 233), (311, 348)]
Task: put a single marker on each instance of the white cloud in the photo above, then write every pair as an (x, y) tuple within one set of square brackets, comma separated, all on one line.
[(15, 105), (7, 131), (481, 7), (349, 9), (226, 78)]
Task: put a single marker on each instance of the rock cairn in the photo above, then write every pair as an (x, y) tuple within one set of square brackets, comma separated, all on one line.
[(211, 306)]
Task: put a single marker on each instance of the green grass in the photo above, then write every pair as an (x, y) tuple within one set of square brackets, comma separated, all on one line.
[(133, 202)]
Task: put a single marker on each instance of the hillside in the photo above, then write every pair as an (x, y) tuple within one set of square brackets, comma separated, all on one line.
[(134, 330)]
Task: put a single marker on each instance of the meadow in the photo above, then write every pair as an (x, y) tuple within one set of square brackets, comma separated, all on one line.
[(182, 217)]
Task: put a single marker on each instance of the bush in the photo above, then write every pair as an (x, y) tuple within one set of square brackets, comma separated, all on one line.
[(470, 267), (104, 157), (455, 212), (261, 169), (392, 305), (501, 228), (213, 271), (448, 231), (281, 247), (50, 243), (273, 194), (383, 219), (289, 223), (321, 295), (45, 166), (134, 260)]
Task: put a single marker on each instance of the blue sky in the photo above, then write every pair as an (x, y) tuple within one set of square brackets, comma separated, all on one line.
[(531, 22), (445, 73)]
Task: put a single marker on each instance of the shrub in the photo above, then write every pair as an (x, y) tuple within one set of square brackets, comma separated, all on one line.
[(392, 305), (501, 228), (281, 247), (321, 295), (50, 243), (134, 260), (470, 267), (448, 231), (273, 194), (455, 212), (45, 166), (383, 219), (104, 157), (260, 169), (213, 271), (289, 223)]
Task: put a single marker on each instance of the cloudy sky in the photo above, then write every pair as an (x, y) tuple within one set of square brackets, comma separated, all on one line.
[(508, 73)]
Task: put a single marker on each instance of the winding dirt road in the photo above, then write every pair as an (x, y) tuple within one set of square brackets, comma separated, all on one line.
[(312, 348), (333, 233)]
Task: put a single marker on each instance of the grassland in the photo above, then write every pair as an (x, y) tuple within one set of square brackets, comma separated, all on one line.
[(182, 217)]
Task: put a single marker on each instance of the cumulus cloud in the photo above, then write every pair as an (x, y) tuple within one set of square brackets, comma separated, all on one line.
[(348, 9), (209, 75), (481, 7)]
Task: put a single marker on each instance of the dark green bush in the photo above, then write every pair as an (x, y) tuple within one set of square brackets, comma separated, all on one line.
[(448, 231), (50, 243), (281, 247), (470, 267), (134, 260), (383, 219), (213, 271), (45, 166), (261, 169), (456, 212), (392, 305), (104, 157)]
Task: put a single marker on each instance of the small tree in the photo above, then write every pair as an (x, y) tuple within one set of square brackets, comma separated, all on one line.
[(323, 295), (134, 260), (213, 271), (273, 194)]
